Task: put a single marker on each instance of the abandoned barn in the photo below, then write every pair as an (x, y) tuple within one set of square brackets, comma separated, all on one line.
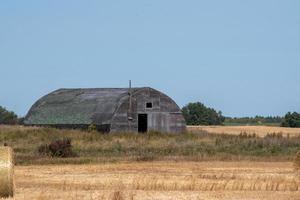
[(108, 109)]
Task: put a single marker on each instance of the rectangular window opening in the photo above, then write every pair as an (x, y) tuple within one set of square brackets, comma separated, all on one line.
[(149, 105)]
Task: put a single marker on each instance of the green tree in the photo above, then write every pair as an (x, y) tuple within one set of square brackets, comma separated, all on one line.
[(7, 117), (198, 114), (291, 120)]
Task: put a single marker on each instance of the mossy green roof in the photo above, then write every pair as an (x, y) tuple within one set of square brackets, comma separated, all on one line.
[(76, 106)]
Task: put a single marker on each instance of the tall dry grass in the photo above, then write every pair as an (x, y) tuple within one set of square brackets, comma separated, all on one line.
[(94, 147), (260, 131)]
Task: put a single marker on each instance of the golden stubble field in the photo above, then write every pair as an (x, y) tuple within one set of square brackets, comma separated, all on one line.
[(156, 180), (160, 180), (260, 131)]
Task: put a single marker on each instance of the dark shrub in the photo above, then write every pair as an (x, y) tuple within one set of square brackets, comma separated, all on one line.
[(59, 148), (21, 120), (291, 120)]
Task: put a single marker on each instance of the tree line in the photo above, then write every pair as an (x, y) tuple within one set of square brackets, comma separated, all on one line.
[(7, 117), (257, 120), (198, 114)]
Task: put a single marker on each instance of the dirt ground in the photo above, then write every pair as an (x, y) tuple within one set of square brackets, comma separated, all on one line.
[(160, 180), (236, 130)]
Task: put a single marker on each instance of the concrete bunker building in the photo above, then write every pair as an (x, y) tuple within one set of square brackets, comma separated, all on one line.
[(109, 109)]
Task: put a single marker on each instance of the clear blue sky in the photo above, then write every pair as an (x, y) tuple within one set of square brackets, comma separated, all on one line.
[(240, 57)]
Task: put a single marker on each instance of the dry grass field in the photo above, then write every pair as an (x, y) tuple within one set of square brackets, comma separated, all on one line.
[(260, 131), (160, 180), (94, 147)]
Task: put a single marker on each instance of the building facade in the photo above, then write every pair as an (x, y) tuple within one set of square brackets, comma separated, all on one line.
[(109, 110)]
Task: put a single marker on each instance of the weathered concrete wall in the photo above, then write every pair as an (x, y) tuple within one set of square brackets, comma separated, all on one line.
[(106, 108), (164, 116)]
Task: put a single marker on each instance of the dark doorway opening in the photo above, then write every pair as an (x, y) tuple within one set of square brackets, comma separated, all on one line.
[(142, 123)]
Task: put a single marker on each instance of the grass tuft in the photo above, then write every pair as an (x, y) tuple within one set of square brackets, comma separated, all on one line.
[(297, 161), (117, 195)]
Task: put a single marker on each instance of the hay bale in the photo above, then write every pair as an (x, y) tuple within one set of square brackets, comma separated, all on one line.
[(6, 172)]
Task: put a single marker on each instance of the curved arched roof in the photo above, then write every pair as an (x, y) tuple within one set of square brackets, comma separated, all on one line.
[(77, 106)]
